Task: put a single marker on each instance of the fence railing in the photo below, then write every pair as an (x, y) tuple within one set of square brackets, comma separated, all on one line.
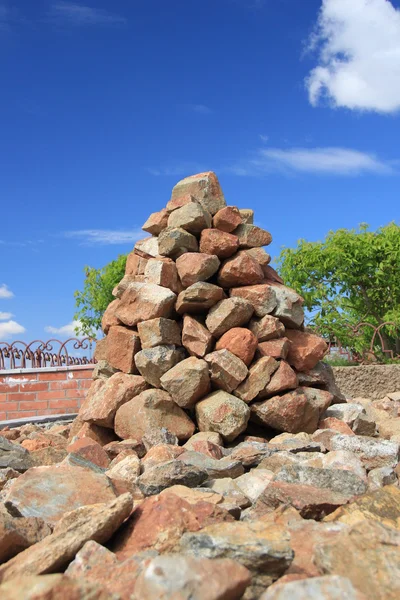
[(52, 353), (372, 352)]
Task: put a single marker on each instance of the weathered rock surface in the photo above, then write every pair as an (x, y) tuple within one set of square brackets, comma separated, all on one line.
[(205, 188), (196, 338), (144, 301), (159, 332), (187, 382), (223, 413), (153, 363), (262, 297), (227, 371), (229, 313), (152, 408), (198, 298), (329, 587), (174, 472), (218, 243), (241, 342), (174, 241), (194, 267)]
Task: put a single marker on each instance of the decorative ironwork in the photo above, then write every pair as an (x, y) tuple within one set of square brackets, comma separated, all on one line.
[(39, 354), (376, 348)]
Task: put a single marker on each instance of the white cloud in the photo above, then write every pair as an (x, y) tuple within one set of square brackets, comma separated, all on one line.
[(78, 14), (202, 109), (66, 330), (5, 292), (4, 316), (106, 236), (324, 161), (9, 329), (264, 138), (358, 43)]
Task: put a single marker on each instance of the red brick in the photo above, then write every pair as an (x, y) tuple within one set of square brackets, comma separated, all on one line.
[(50, 395), (3, 397), (63, 403), (85, 383), (84, 374), (3, 417), (9, 406), (70, 384), (75, 393), (54, 376), (21, 396), (5, 388), (51, 411), (36, 386), (21, 414), (32, 405), (70, 411)]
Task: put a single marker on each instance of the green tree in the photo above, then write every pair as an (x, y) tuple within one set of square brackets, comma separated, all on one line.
[(349, 278), (96, 295)]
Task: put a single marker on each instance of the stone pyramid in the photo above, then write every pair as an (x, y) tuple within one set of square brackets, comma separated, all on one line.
[(203, 335)]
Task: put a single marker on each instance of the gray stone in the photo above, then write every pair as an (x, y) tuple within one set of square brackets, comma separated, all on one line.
[(227, 370), (372, 452), (153, 363), (174, 241), (215, 469), (223, 413), (289, 307), (14, 456), (329, 587), (199, 298), (192, 217), (337, 480), (173, 472), (187, 382), (229, 313)]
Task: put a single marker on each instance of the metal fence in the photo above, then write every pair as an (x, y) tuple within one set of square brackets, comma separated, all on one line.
[(41, 354)]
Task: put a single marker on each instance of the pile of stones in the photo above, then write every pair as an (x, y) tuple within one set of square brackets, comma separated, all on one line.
[(214, 457)]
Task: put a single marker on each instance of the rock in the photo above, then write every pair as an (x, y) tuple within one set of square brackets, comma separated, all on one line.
[(174, 472), (204, 436), (378, 478), (147, 247), (207, 448), (187, 382), (162, 271), (340, 459), (49, 492), (215, 469), (254, 483), (289, 308), (347, 412), (250, 453), (14, 456), (381, 505), (153, 363), (284, 378), (322, 373), (247, 215), (258, 378), (90, 450), (222, 413), (229, 490), (240, 269), (100, 349), (102, 435), (174, 241), (251, 236), (144, 301), (121, 346), (7, 475), (179, 201), (229, 313), (337, 480), (109, 317), (55, 551), (193, 267), (262, 297), (218, 243), (293, 412), (310, 501), (365, 425), (20, 533), (330, 587), (275, 348), (263, 549), (159, 522), (196, 338), (372, 452), (156, 222), (198, 298), (335, 425), (161, 454), (157, 437), (368, 555), (205, 188), (152, 408), (192, 579), (227, 219), (132, 446), (96, 564), (305, 349), (126, 470), (52, 587), (191, 217), (100, 407), (135, 264), (267, 328), (241, 342), (227, 370), (103, 369), (159, 332)]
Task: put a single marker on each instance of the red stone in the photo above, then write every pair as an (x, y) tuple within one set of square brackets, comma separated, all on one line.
[(275, 348), (219, 243), (122, 345), (241, 342), (239, 270), (305, 349), (227, 219)]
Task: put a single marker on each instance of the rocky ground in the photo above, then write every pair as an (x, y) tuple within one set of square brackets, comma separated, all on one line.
[(292, 516)]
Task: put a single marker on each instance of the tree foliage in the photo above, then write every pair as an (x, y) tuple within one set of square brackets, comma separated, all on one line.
[(349, 278), (96, 295)]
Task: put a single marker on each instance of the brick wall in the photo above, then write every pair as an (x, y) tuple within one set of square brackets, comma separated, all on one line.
[(36, 392)]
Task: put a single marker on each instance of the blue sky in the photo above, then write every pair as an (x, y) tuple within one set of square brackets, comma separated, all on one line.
[(104, 106)]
